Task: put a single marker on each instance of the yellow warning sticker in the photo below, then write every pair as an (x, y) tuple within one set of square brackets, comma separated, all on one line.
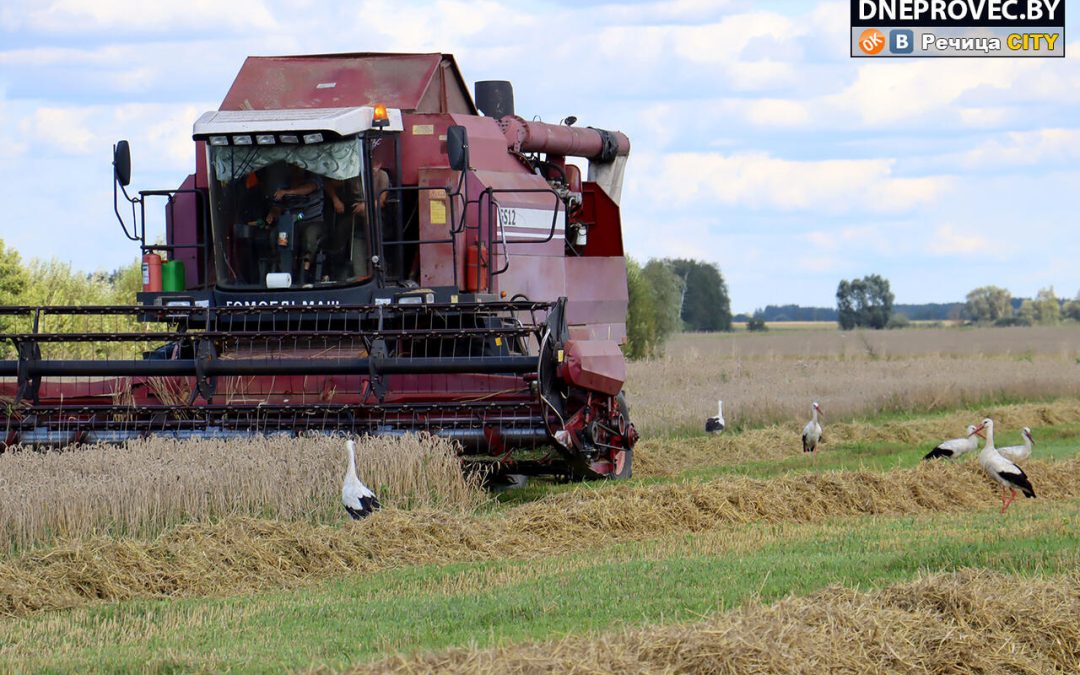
[(498, 341), (438, 212)]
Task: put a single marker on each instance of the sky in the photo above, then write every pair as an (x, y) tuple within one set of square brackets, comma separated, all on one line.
[(758, 143)]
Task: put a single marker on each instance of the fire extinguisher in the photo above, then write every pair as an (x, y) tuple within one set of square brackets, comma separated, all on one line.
[(476, 263), (151, 272)]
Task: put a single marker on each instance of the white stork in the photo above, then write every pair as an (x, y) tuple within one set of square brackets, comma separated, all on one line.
[(955, 447), (1009, 476), (715, 425), (1018, 453), (811, 433), (358, 500)]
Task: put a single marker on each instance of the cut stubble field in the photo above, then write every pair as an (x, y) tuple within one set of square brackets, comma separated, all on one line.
[(719, 548)]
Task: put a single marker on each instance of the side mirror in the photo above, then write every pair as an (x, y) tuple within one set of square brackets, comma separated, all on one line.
[(457, 147), (122, 162)]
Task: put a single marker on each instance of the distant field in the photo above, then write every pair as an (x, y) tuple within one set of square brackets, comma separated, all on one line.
[(767, 378), (791, 325), (832, 325)]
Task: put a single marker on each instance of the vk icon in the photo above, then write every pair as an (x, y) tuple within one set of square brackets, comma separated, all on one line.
[(901, 41)]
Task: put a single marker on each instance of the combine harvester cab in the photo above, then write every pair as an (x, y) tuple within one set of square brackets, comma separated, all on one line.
[(359, 250)]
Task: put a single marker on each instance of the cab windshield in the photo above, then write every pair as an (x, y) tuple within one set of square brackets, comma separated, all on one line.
[(289, 216)]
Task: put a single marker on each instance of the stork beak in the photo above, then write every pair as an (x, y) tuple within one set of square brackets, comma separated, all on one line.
[(978, 431), (1030, 438)]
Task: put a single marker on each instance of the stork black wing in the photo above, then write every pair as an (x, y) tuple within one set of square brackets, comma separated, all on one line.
[(1019, 480), (939, 452), (357, 514)]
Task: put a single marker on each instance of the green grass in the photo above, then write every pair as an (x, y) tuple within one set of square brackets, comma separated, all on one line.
[(422, 608)]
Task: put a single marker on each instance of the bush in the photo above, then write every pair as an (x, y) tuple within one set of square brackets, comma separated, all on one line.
[(1013, 321), (898, 321), (756, 325)]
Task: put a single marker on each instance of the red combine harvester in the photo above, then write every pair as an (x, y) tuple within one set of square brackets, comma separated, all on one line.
[(359, 250)]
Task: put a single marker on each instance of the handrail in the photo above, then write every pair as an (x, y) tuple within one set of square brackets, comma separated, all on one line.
[(492, 210)]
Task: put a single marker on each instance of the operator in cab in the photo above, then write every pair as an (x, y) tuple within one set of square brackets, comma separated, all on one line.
[(352, 224), (297, 210)]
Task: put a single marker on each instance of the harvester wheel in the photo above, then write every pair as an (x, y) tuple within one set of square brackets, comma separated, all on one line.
[(623, 460), (624, 465)]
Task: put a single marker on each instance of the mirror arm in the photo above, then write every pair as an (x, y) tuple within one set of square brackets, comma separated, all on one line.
[(133, 236)]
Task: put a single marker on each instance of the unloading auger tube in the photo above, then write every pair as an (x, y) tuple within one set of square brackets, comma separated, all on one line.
[(495, 377)]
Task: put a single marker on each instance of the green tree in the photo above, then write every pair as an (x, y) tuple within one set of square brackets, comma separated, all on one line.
[(653, 312), (1047, 307), (124, 283), (640, 313), (706, 305), (847, 317), (864, 303), (13, 277), (667, 290), (988, 303), (13, 283), (1072, 308)]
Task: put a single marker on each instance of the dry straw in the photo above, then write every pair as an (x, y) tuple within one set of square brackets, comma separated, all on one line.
[(238, 555), (147, 486), (972, 621)]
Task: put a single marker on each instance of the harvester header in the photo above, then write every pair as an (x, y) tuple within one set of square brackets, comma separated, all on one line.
[(357, 250)]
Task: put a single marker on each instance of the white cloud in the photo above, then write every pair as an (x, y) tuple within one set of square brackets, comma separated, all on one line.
[(65, 129), (1026, 148), (160, 134), (446, 25), (79, 16), (947, 241), (906, 91), (760, 181), (775, 112), (10, 146), (712, 51)]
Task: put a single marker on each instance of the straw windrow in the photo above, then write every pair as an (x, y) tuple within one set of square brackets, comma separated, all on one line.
[(973, 621)]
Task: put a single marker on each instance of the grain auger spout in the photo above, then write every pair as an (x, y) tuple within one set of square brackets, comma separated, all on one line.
[(354, 253)]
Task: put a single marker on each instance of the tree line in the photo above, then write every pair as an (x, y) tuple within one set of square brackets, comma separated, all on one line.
[(669, 295), (868, 303), (52, 282)]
